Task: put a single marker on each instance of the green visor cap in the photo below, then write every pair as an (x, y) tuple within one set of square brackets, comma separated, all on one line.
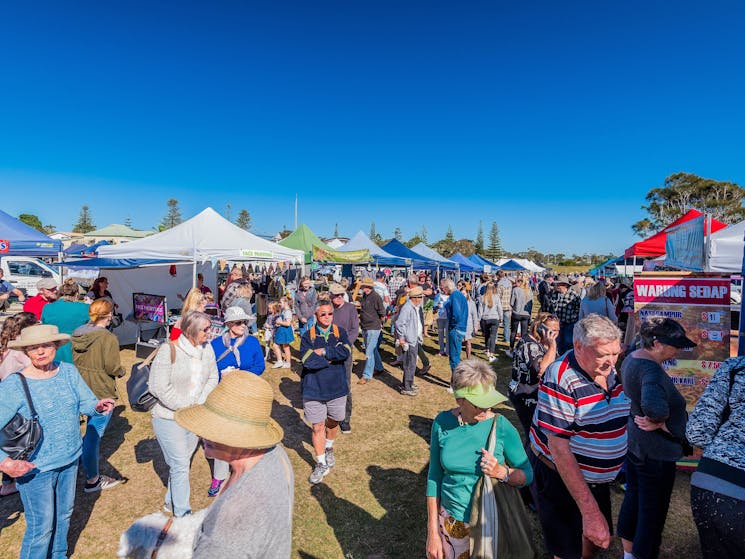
[(481, 395)]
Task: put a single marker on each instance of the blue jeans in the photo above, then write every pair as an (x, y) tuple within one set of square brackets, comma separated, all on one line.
[(565, 340), (48, 499), (506, 318), (455, 346), (649, 484), (371, 353), (178, 446), (94, 431)]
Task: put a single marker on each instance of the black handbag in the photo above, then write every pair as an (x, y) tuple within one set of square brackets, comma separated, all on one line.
[(138, 391), (20, 437)]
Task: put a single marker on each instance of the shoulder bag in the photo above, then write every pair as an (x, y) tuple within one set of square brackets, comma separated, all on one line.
[(140, 398), (500, 528), (20, 437)]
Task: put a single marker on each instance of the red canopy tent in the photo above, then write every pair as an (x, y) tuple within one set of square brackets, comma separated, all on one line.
[(655, 245)]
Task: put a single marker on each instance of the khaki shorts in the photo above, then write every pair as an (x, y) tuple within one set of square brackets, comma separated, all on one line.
[(317, 411)]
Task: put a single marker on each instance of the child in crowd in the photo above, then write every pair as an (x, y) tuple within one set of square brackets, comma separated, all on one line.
[(284, 335), (274, 310)]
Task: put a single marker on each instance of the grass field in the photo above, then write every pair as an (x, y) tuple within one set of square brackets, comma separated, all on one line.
[(371, 506)]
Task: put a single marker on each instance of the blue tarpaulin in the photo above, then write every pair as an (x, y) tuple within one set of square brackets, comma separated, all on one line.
[(481, 261), (397, 248), (19, 239), (465, 264)]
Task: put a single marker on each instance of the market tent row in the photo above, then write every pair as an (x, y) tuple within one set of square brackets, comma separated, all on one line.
[(19, 239), (483, 262), (378, 256), (166, 263), (528, 265), (432, 254), (465, 264), (418, 262)]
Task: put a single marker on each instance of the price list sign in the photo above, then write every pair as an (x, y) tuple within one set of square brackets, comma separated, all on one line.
[(701, 305)]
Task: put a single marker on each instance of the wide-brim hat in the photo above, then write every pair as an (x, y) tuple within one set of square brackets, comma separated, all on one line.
[(481, 395), (236, 413), (367, 282), (337, 289), (562, 279), (39, 334), (235, 314), (416, 292), (46, 283)]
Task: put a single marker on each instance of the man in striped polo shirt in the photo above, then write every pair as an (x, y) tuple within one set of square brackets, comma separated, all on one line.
[(578, 438)]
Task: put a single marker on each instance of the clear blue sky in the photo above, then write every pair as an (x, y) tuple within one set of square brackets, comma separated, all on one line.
[(551, 118)]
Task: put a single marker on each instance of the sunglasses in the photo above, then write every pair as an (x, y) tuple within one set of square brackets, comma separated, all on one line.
[(325, 314), (417, 297), (335, 295), (240, 323)]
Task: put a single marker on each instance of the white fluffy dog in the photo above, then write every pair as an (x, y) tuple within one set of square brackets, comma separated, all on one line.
[(140, 539)]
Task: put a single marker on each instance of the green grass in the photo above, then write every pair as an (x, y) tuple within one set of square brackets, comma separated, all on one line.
[(371, 506)]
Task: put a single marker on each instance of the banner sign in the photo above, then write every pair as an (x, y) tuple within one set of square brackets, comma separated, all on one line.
[(324, 255), (248, 253), (684, 245), (149, 307), (702, 306)]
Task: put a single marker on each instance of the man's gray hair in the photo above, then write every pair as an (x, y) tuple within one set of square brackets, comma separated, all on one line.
[(448, 283), (413, 279), (595, 328), (473, 372)]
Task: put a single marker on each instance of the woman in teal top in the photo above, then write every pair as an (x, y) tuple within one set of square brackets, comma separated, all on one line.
[(458, 458)]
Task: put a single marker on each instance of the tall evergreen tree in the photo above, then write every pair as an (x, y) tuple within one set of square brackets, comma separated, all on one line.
[(173, 217), (397, 234), (244, 220), (479, 245), (423, 235), (374, 235), (449, 236), (85, 221), (336, 230), (494, 252), (128, 221), (228, 212)]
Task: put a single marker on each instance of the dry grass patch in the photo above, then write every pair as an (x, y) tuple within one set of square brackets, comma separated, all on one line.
[(371, 506)]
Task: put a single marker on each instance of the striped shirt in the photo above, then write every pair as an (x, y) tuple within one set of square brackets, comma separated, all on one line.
[(572, 406)]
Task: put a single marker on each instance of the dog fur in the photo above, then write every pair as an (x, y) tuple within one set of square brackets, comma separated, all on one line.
[(140, 538)]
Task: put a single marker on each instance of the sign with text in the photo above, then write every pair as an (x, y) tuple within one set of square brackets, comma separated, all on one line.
[(149, 307)]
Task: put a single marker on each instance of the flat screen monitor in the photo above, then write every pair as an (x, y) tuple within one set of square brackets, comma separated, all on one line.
[(149, 307)]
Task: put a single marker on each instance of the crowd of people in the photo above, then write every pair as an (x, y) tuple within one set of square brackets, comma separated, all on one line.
[(582, 421)]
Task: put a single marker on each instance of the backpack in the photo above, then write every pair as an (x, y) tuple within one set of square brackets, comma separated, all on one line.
[(140, 398), (333, 326)]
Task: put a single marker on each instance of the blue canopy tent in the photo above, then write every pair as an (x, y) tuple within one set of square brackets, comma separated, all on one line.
[(481, 261), (465, 264), (80, 250), (113, 263), (382, 258), (397, 248), (19, 239), (432, 254), (512, 266), (75, 249)]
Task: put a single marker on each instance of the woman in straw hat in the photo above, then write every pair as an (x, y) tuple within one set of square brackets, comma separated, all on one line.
[(235, 426), (458, 458), (47, 479)]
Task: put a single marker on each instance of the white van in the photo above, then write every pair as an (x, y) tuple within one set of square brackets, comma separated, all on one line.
[(24, 271)]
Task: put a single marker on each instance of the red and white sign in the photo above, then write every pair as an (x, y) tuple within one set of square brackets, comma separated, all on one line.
[(683, 291), (4, 245)]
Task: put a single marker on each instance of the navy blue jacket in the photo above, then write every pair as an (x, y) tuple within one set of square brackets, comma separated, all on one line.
[(324, 377), (456, 308)]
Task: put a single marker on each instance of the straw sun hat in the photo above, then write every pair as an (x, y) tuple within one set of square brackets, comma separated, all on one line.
[(236, 413), (39, 334)]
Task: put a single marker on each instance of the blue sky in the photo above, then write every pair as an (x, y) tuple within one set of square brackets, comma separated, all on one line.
[(551, 118)]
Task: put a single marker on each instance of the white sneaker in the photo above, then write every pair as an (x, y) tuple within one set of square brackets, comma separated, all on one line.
[(492, 359), (279, 365)]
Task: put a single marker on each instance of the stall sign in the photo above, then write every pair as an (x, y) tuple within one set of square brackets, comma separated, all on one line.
[(250, 253)]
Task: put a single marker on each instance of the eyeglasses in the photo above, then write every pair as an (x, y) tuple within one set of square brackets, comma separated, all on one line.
[(325, 314), (239, 323), (417, 297), (335, 295)]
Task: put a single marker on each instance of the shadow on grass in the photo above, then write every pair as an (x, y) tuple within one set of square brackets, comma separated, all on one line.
[(296, 430), (10, 511), (400, 530), (421, 426), (148, 450), (112, 439)]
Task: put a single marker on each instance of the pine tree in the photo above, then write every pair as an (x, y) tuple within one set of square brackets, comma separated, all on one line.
[(336, 230), (173, 217), (128, 221), (228, 212), (244, 220), (449, 236), (85, 221), (494, 252), (423, 235), (480, 239), (374, 235), (397, 234)]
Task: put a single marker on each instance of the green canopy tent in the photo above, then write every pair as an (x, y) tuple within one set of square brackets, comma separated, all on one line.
[(314, 248)]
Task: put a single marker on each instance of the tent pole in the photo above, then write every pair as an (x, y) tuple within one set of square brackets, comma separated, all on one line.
[(194, 266)]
